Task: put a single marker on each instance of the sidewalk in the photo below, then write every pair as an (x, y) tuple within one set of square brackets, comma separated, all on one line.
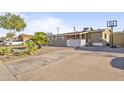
[(5, 74)]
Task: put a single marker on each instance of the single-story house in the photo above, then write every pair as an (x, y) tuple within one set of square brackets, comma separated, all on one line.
[(99, 37)]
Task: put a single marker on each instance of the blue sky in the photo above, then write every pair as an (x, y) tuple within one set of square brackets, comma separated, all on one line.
[(49, 21)]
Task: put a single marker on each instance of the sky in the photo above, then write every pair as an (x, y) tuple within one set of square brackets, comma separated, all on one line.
[(65, 21)]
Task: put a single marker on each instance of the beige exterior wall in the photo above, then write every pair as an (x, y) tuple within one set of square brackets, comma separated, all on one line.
[(118, 39), (95, 36), (106, 36)]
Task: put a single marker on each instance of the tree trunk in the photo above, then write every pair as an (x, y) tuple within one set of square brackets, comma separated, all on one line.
[(39, 45), (11, 38)]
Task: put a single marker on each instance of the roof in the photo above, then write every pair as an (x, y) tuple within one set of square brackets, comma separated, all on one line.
[(25, 35), (78, 32)]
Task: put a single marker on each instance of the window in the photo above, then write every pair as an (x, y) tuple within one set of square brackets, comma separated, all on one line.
[(105, 36)]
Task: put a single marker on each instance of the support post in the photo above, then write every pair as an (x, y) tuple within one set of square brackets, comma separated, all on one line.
[(112, 37)]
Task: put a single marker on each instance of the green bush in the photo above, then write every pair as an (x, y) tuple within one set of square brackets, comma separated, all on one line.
[(22, 53), (31, 48), (40, 38), (6, 51), (1, 51)]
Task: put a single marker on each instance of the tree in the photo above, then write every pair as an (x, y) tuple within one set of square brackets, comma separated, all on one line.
[(12, 22), (40, 38), (10, 36)]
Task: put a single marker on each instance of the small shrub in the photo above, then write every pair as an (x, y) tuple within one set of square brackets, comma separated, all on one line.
[(6, 51), (31, 48), (40, 38), (1, 51), (22, 53)]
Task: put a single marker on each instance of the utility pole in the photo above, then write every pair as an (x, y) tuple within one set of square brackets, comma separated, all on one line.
[(112, 37), (58, 30), (112, 24), (74, 29)]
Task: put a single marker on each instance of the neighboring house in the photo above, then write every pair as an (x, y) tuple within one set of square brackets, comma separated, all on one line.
[(99, 37), (24, 37)]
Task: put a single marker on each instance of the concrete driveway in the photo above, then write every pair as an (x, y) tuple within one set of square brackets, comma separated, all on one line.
[(5, 73), (66, 64)]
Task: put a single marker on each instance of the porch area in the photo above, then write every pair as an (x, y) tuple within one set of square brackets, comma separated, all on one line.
[(84, 39), (76, 39)]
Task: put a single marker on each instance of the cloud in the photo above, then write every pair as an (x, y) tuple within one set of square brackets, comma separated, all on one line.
[(46, 24)]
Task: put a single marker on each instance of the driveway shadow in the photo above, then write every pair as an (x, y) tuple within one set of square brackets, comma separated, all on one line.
[(118, 63), (102, 49)]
